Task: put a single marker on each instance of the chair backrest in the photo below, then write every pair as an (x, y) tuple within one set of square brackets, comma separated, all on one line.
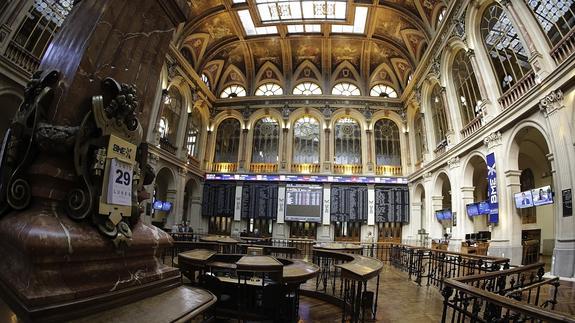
[(255, 251)]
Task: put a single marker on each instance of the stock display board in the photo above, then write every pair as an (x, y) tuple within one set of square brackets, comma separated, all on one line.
[(303, 202), (391, 203), (259, 200), (218, 199), (307, 178), (348, 203)]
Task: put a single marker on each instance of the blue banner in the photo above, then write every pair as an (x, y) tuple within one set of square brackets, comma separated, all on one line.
[(492, 189)]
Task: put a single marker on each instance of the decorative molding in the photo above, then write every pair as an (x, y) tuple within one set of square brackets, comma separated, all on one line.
[(454, 162), (492, 140), (552, 102), (427, 176)]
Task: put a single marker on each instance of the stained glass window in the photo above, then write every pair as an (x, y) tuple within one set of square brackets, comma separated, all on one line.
[(347, 142), (227, 141), (306, 141), (387, 143), (269, 89), (468, 95), (266, 141), (307, 88), (345, 89), (383, 91), (233, 91)]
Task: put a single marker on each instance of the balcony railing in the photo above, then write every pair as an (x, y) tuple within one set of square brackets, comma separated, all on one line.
[(263, 168), (224, 167), (21, 58), (564, 48), (347, 169), (518, 90), (166, 145), (471, 127), (387, 170), (305, 168), (441, 148)]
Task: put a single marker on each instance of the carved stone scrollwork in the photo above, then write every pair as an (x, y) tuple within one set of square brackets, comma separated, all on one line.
[(21, 142), (492, 140), (113, 113), (453, 162), (551, 102)]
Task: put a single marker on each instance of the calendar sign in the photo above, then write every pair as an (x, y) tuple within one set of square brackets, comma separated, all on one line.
[(120, 183), (117, 190)]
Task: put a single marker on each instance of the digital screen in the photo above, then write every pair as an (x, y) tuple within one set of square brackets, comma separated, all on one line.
[(307, 178), (472, 209), (542, 195), (157, 205), (523, 200), (484, 207), (447, 215), (439, 215), (303, 203), (167, 206)]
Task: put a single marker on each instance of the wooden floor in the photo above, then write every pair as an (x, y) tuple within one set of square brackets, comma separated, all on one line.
[(400, 300)]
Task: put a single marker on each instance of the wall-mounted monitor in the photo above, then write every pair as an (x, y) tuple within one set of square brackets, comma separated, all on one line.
[(439, 215), (542, 195), (472, 209), (303, 202), (484, 207), (447, 214), (166, 206), (157, 205), (523, 200)]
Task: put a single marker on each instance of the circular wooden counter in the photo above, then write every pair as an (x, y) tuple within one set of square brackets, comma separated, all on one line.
[(339, 246)]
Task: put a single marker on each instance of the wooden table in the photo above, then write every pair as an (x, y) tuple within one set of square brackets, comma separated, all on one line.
[(227, 244), (339, 246), (180, 304)]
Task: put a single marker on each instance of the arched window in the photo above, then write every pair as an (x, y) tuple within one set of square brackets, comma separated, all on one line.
[(206, 80), (387, 146), (40, 24), (508, 57), (419, 137), (269, 89), (266, 141), (438, 115), (468, 95), (307, 88), (173, 104), (227, 141), (556, 18), (233, 91), (306, 141), (347, 142), (383, 91), (193, 132), (345, 89)]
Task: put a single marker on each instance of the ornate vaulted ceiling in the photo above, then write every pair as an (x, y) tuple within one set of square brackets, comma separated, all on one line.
[(393, 41)]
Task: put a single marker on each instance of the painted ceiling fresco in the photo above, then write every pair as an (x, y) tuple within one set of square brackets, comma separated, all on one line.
[(216, 43)]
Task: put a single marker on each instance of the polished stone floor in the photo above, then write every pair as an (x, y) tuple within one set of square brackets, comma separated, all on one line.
[(400, 300)]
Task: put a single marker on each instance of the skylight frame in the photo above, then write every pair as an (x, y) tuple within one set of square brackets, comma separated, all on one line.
[(358, 24), (250, 28), (267, 12)]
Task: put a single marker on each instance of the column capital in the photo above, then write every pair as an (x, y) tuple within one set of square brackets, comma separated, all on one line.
[(552, 102), (467, 189), (512, 173)]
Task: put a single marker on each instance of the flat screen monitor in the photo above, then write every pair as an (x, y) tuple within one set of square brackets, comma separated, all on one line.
[(166, 206), (483, 207), (542, 195), (303, 202), (472, 209), (523, 200), (439, 215), (447, 214), (157, 205)]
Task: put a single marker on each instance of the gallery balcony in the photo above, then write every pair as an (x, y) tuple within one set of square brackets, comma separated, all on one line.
[(347, 169), (305, 168), (263, 168), (388, 170)]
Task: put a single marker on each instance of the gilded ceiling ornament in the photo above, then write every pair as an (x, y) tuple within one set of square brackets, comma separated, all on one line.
[(217, 29)]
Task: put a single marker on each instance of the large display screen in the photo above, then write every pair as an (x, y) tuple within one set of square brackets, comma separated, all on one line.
[(523, 200), (542, 195), (303, 203)]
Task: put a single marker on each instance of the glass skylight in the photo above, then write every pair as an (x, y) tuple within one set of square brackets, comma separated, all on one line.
[(304, 28), (358, 26), (250, 28), (273, 11)]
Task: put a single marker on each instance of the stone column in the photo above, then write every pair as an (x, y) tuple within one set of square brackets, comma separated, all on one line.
[(463, 220), (328, 161), (370, 161), (207, 149), (284, 148), (97, 41), (562, 158), (452, 133), (243, 151), (488, 109)]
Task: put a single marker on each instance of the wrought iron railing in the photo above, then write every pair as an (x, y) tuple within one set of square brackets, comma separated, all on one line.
[(21, 58), (514, 295), (166, 145), (305, 168), (350, 169)]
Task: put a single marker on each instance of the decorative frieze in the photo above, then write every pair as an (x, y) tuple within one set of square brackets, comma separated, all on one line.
[(453, 162), (551, 102), (492, 140)]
